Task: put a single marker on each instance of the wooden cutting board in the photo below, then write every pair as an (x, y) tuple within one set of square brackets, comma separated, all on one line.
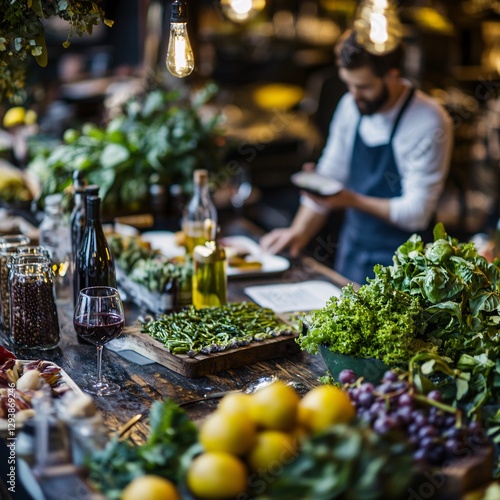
[(204, 364)]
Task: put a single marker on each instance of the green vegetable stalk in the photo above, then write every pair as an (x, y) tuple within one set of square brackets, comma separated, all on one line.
[(214, 329)]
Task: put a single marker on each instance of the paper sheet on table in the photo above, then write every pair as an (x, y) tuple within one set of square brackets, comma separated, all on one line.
[(289, 297)]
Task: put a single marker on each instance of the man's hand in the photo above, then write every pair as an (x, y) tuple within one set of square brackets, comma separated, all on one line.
[(342, 199), (378, 207), (282, 239)]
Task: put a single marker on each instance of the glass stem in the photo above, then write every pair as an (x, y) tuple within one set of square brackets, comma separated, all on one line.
[(99, 365)]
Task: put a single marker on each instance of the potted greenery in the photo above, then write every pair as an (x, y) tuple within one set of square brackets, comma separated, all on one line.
[(157, 138), (22, 37)]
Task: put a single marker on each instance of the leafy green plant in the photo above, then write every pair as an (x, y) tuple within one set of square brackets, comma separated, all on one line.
[(171, 435), (158, 138), (22, 37), (376, 321), (346, 462), (459, 290)]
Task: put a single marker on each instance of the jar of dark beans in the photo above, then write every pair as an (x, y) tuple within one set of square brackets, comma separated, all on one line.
[(33, 313), (8, 245), (33, 250)]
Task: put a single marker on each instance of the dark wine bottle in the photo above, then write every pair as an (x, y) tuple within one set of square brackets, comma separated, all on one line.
[(77, 217), (78, 226), (95, 265), (170, 296)]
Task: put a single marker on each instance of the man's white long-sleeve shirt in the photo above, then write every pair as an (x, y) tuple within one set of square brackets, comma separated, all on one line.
[(422, 148)]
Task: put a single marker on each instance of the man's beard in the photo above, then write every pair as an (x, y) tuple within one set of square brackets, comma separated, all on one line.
[(370, 107)]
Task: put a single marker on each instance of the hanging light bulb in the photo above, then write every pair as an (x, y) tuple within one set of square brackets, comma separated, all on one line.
[(180, 58), (240, 11), (377, 26)]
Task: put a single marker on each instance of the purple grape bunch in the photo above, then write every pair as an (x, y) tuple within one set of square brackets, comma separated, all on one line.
[(436, 436)]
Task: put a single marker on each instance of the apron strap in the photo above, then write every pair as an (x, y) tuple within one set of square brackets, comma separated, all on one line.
[(398, 118), (401, 111)]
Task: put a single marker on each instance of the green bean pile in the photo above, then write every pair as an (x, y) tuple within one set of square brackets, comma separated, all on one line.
[(215, 329)]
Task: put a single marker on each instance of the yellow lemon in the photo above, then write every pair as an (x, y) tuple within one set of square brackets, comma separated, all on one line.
[(14, 116), (217, 475), (150, 487), (235, 403), (275, 406), (273, 450), (30, 117), (230, 432), (324, 406)]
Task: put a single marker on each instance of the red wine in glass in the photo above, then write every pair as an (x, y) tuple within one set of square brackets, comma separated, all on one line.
[(99, 318), (100, 328)]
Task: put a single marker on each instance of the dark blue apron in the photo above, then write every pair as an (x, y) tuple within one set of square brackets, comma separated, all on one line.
[(366, 240)]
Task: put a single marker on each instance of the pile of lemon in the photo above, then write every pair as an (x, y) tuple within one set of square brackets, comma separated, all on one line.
[(250, 438), (17, 116)]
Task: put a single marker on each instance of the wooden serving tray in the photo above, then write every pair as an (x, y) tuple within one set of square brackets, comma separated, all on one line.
[(204, 364)]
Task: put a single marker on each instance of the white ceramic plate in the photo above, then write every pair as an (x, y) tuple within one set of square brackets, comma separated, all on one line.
[(165, 242), (270, 263), (316, 183)]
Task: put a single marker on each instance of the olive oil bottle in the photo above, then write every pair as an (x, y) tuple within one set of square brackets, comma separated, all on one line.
[(199, 214), (209, 277)]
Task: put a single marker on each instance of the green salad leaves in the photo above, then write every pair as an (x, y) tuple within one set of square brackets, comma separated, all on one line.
[(377, 321), (458, 289), (442, 296)]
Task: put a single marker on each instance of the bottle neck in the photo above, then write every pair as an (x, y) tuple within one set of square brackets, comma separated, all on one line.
[(201, 190), (79, 198), (93, 210)]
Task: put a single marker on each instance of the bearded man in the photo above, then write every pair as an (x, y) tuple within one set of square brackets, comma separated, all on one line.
[(389, 145)]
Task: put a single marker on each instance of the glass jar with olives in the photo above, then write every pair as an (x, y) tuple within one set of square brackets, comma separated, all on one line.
[(33, 313)]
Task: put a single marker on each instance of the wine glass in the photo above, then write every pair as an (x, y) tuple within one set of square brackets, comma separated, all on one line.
[(99, 318), (241, 188)]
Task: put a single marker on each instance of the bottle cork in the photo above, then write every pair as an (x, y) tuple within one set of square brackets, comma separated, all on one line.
[(201, 177)]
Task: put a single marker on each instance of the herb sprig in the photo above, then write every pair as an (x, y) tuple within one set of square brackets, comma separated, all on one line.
[(346, 462), (23, 36), (172, 434)]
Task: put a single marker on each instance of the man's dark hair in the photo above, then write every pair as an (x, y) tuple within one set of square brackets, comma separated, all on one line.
[(351, 55)]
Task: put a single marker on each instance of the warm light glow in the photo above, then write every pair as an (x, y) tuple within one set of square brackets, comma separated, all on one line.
[(241, 11), (180, 58), (242, 7), (378, 27)]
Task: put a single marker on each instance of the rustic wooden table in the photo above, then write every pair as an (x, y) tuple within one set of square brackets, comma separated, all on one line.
[(141, 385)]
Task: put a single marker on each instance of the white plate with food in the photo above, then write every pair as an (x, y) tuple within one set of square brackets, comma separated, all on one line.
[(245, 257), (317, 184), (167, 242), (19, 379)]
